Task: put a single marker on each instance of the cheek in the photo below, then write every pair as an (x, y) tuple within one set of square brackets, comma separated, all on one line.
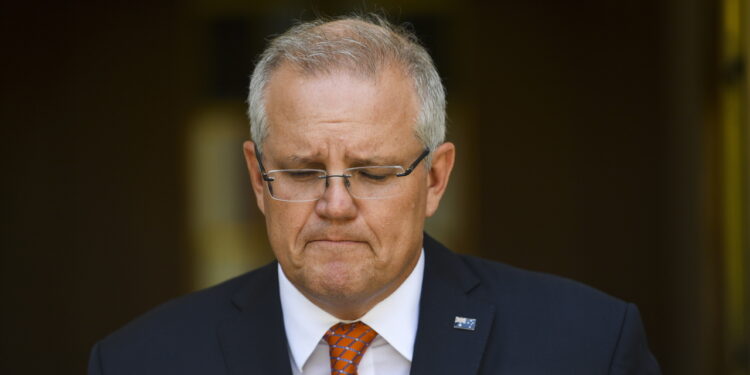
[(284, 222), (393, 222)]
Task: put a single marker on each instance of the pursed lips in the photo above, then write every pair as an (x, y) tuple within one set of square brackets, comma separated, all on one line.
[(336, 241)]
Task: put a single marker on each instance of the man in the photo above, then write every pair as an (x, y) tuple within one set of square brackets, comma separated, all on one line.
[(348, 160)]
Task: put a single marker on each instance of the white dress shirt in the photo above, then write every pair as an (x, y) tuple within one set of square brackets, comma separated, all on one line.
[(394, 319)]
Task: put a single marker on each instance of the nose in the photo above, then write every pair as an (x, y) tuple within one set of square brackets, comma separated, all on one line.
[(336, 203)]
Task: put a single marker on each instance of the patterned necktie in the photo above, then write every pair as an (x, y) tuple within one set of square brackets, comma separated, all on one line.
[(347, 344)]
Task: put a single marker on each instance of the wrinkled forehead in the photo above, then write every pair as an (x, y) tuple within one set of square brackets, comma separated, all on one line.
[(340, 109), (386, 77)]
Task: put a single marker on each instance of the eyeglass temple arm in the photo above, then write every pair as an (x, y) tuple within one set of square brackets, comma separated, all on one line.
[(259, 156), (416, 162)]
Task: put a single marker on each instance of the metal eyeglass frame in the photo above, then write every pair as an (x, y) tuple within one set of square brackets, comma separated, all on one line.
[(267, 178)]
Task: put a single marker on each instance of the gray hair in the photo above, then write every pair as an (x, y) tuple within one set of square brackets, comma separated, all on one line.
[(359, 45)]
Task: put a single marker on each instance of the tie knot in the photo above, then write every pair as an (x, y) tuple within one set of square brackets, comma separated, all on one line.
[(347, 343)]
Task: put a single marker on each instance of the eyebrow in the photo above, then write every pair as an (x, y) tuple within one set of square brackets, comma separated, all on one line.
[(300, 159), (373, 160), (353, 161), (297, 161)]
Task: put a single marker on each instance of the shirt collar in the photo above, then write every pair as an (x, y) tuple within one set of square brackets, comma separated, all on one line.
[(395, 318)]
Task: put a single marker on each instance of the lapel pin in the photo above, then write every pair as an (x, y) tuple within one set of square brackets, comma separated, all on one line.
[(467, 324)]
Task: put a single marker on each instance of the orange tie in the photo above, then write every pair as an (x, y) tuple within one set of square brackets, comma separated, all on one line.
[(347, 344)]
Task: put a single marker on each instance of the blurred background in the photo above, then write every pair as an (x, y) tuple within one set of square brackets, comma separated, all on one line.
[(607, 141)]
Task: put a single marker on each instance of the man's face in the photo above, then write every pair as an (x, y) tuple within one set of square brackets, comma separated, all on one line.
[(342, 251)]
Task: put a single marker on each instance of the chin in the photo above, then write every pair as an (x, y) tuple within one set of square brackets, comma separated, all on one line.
[(340, 281), (340, 261)]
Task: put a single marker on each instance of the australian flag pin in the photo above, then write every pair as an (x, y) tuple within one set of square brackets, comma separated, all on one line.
[(468, 324)]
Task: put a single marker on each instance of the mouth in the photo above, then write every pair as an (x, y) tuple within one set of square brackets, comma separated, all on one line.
[(336, 242)]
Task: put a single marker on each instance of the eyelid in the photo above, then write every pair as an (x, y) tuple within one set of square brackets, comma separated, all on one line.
[(377, 166), (297, 169), (327, 173)]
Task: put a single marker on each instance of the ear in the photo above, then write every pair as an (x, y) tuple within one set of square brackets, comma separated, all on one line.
[(440, 172), (256, 179)]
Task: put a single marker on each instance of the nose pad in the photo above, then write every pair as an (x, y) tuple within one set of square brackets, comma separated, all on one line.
[(347, 183), (335, 202)]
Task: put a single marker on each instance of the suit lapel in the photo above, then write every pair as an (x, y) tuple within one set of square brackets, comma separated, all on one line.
[(440, 348), (254, 341)]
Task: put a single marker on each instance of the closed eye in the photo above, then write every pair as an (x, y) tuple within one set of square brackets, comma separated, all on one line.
[(299, 174), (373, 176)]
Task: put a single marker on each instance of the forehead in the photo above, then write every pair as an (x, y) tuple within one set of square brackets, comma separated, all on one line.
[(306, 112)]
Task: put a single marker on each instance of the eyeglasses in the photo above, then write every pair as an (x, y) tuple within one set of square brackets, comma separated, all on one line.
[(307, 185)]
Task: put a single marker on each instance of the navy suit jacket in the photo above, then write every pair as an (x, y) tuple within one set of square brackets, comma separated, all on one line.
[(526, 323)]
